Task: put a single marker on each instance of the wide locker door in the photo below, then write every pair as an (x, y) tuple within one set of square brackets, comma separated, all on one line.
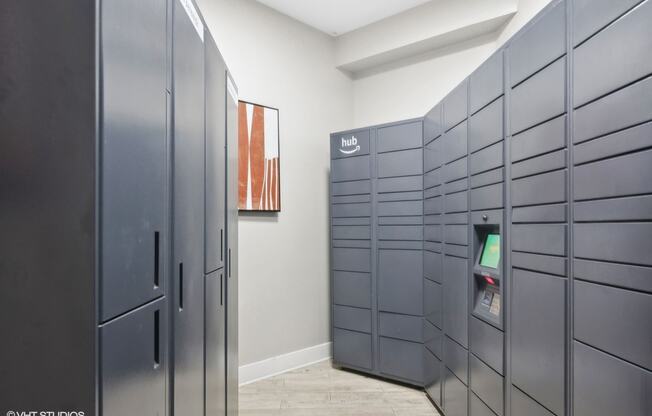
[(133, 362), (215, 156), (232, 248), (215, 344), (134, 153), (188, 263)]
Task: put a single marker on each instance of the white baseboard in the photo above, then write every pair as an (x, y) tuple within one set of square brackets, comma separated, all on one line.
[(282, 363)]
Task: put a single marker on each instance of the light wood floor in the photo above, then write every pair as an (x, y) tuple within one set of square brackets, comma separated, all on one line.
[(321, 390)]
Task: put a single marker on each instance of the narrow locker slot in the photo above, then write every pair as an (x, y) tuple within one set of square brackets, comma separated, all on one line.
[(157, 338), (157, 260), (180, 286)]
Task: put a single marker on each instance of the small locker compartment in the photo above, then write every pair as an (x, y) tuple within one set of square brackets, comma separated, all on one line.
[(432, 124), (400, 163), (354, 319), (624, 108), (455, 143), (433, 339), (543, 42), (487, 343), (590, 16), (539, 98), (478, 408), (434, 380), (454, 396), (352, 289), (538, 337), (486, 83), (405, 327), (548, 188), (455, 170), (606, 385), (402, 359), (455, 106), (538, 140), (352, 259), (350, 169), (615, 56), (134, 154), (487, 384), (432, 263), (399, 137), (616, 242), (456, 359), (522, 404), (456, 293), (400, 281), (432, 302), (133, 362), (486, 126), (622, 329), (352, 348), (540, 238), (618, 176), (489, 158), (458, 202)]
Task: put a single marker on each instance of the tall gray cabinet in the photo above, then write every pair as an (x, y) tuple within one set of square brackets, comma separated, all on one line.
[(377, 251), (537, 276), (119, 267)]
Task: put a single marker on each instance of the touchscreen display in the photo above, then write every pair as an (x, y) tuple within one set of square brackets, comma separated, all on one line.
[(491, 252)]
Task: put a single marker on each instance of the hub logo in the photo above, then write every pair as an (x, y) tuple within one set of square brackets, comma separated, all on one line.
[(349, 146)]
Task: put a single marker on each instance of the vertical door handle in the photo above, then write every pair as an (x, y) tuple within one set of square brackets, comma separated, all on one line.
[(229, 262), (221, 244), (157, 258), (157, 339), (221, 289), (180, 286)]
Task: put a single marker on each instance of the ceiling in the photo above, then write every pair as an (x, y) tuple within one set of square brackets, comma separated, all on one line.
[(336, 17)]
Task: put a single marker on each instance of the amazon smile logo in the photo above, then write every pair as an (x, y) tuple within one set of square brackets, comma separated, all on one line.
[(351, 144)]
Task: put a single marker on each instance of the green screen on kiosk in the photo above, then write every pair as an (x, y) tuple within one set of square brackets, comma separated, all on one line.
[(491, 253)]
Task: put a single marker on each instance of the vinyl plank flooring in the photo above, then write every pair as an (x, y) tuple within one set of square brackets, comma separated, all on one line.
[(323, 390)]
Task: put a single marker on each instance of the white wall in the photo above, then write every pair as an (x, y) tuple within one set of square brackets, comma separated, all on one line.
[(284, 264), (412, 88)]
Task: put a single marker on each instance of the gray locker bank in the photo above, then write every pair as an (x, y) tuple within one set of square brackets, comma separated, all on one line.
[(119, 219), (536, 297)]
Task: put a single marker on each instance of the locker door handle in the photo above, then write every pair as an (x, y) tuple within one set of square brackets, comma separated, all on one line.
[(157, 339), (229, 262), (157, 259), (180, 286), (221, 244), (221, 289)]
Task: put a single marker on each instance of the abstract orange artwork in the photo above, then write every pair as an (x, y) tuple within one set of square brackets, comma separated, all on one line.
[(259, 187)]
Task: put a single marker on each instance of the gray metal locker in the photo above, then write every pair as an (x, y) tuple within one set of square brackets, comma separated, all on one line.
[(134, 154), (231, 266), (188, 202), (134, 362), (215, 118), (106, 166), (539, 337), (215, 338)]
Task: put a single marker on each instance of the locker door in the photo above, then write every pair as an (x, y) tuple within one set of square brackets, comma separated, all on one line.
[(232, 248), (134, 152), (215, 344), (188, 259), (133, 361), (215, 156)]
